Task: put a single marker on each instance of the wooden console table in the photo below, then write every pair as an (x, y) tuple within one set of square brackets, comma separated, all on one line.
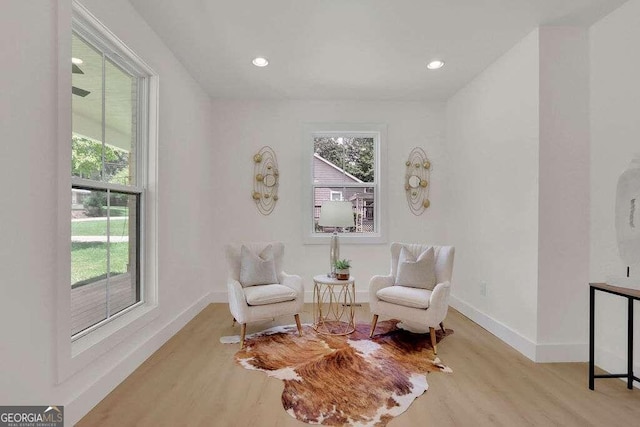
[(631, 295)]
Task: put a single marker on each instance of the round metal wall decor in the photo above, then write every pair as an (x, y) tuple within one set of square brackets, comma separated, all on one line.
[(266, 179), (417, 181)]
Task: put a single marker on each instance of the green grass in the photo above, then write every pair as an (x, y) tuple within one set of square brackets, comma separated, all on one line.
[(98, 227), (88, 261), (118, 210)]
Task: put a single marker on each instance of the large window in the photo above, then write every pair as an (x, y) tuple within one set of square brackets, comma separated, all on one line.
[(345, 165), (108, 146)]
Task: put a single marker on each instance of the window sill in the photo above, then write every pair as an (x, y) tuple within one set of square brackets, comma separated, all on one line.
[(81, 352), (346, 239)]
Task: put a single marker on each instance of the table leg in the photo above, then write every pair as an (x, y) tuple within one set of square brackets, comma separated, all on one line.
[(592, 295), (630, 346), (351, 311), (316, 306), (333, 301)]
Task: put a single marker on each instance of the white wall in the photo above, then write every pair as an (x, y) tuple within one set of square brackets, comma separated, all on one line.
[(30, 180), (518, 143), (242, 127), (27, 216), (484, 187), (615, 137), (492, 195), (546, 315), (563, 243)]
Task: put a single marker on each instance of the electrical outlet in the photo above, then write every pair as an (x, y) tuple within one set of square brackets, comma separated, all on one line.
[(483, 288)]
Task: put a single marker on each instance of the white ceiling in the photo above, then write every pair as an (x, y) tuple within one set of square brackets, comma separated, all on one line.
[(350, 49)]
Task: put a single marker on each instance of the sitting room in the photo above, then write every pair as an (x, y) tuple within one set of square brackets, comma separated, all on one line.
[(280, 213)]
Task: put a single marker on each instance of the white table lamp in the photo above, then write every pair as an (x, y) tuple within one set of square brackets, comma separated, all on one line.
[(335, 214)]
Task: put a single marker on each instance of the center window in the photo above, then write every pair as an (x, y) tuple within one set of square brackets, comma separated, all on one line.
[(344, 170), (345, 167)]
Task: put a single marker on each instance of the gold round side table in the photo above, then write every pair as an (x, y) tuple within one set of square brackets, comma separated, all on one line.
[(333, 302)]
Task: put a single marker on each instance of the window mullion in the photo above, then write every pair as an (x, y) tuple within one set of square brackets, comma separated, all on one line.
[(104, 115), (141, 132), (108, 305), (98, 185), (346, 185)]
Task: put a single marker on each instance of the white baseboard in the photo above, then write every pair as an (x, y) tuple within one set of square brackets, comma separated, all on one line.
[(86, 399), (361, 296), (500, 330), (219, 296), (548, 353), (540, 353)]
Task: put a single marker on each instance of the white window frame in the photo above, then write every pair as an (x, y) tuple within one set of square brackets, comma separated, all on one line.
[(335, 193), (138, 189), (87, 346), (378, 131)]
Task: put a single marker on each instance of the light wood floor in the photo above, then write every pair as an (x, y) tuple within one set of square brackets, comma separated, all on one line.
[(193, 381)]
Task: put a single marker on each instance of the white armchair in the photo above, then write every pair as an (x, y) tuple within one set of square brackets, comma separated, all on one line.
[(264, 301), (418, 309)]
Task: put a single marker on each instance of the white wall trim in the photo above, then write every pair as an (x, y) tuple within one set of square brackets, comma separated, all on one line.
[(86, 399), (500, 330), (548, 353), (219, 296), (362, 296), (539, 353)]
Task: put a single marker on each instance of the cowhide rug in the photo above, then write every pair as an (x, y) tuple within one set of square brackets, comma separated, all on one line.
[(345, 380)]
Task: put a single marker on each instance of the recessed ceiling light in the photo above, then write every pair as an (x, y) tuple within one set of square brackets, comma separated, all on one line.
[(76, 61), (260, 62), (435, 64)]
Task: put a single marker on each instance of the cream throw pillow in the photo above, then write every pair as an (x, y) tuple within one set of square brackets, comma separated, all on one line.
[(417, 273), (257, 269)]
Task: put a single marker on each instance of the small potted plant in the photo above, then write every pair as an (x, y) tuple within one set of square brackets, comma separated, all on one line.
[(342, 269)]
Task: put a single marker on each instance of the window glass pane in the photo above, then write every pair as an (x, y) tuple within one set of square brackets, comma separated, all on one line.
[(104, 255), (343, 159), (88, 258), (86, 103), (362, 200), (121, 93), (363, 204), (123, 252)]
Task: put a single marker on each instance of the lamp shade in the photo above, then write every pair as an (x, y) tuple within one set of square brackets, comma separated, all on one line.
[(336, 214)]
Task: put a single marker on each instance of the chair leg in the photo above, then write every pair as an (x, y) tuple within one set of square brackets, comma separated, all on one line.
[(373, 325), (243, 332), (297, 316), (432, 332), (442, 328)]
